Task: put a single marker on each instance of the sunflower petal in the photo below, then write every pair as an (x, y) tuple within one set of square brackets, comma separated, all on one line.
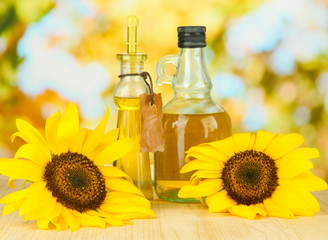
[(113, 172), (113, 152), (78, 142), (29, 134), (207, 154), (11, 207), (111, 218), (115, 208), (33, 153), (70, 219), (219, 202), (22, 194), (21, 169), (90, 221), (68, 128), (198, 165), (59, 223), (283, 144), (275, 210), (242, 141), (43, 223), (120, 185), (293, 168), (306, 180), (51, 129), (110, 137), (283, 196), (226, 146), (249, 212), (126, 199), (263, 139), (205, 174), (296, 161), (35, 201), (42, 211), (205, 188), (96, 136), (252, 142)]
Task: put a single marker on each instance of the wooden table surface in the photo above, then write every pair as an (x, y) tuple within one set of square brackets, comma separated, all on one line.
[(179, 221)]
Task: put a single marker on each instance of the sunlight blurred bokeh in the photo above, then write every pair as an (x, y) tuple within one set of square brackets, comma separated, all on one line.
[(267, 60)]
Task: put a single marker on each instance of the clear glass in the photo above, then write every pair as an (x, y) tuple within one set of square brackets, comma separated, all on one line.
[(189, 119), (127, 97)]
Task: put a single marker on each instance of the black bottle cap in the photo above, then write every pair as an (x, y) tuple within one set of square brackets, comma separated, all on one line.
[(191, 36)]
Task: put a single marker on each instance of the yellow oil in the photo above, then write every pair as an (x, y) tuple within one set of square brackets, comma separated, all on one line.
[(135, 163), (180, 133)]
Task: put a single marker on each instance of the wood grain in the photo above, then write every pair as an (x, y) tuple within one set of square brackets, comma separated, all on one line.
[(179, 221)]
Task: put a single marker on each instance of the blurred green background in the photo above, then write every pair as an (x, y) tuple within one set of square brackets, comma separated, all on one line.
[(267, 60)]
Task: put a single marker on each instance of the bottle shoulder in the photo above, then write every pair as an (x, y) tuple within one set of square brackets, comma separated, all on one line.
[(130, 89), (192, 106)]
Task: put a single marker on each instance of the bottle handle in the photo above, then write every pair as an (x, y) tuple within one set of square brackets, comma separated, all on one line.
[(160, 69)]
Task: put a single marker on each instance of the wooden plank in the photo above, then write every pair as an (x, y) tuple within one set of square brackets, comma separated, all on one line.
[(178, 221)]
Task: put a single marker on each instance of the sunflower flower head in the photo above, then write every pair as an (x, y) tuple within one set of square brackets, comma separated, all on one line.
[(251, 175), (71, 182)]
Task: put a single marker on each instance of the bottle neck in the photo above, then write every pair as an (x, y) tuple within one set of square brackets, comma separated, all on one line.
[(192, 79), (131, 67)]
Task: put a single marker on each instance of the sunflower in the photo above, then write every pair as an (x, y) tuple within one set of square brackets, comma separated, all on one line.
[(251, 175), (71, 182)]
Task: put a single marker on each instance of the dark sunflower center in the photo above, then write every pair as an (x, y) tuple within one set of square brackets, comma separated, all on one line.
[(75, 181), (250, 177)]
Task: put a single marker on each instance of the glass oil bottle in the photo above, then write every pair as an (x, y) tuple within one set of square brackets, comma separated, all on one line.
[(191, 117), (127, 97)]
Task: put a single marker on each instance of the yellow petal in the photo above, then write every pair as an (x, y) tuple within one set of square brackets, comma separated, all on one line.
[(285, 197), (113, 152), (109, 138), (115, 208), (111, 218), (296, 162), (90, 221), (120, 185), (29, 134), (59, 223), (306, 180), (33, 153), (252, 142), (249, 212), (21, 195), (43, 223), (275, 210), (206, 174), (21, 169), (205, 188), (294, 168), (70, 219), (11, 183), (68, 128), (11, 207), (263, 139), (219, 202), (96, 136), (226, 146), (78, 142), (37, 200), (126, 199), (41, 212), (283, 145), (242, 141), (198, 165), (206, 153), (113, 172), (51, 129)]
